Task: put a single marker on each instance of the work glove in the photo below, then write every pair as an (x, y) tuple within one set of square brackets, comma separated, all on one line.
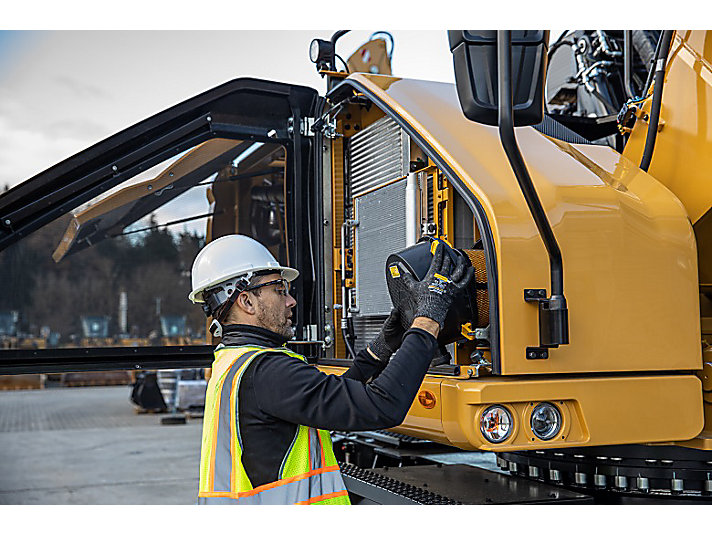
[(388, 339), (440, 287)]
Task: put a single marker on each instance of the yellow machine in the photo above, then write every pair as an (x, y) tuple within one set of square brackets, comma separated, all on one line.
[(333, 185), (633, 372)]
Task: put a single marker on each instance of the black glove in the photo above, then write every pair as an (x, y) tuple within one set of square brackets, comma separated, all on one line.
[(438, 289), (389, 338)]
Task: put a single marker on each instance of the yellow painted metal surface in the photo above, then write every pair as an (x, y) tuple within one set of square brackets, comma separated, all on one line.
[(421, 422), (683, 148), (595, 410), (630, 268)]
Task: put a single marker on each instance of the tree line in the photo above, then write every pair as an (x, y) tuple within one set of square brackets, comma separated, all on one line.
[(148, 266)]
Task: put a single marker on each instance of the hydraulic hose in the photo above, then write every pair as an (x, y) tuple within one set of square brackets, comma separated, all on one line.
[(659, 80), (335, 37), (628, 63), (347, 335)]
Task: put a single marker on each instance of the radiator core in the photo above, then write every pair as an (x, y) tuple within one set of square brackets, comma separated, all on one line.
[(378, 162)]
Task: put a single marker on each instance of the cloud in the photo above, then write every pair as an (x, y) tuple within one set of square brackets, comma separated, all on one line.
[(81, 89), (82, 129), (25, 152)]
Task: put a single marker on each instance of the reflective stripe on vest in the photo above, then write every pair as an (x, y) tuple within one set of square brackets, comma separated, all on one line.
[(309, 473)]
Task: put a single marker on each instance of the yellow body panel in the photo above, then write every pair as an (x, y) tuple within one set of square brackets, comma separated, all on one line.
[(629, 255), (683, 157), (595, 410)]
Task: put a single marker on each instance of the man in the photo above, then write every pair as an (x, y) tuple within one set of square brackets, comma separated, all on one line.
[(268, 413)]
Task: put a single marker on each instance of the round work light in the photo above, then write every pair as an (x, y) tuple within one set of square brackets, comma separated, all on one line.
[(320, 52), (546, 421), (496, 424), (314, 50)]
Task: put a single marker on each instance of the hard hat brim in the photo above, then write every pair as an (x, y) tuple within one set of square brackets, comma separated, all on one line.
[(196, 296), (289, 274)]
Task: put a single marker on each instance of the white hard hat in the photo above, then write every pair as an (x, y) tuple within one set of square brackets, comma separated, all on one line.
[(230, 257)]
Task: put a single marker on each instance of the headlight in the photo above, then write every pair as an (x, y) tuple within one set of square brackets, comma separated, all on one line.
[(496, 424), (546, 421)]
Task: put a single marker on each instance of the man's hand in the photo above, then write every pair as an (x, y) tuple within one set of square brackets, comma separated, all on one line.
[(439, 288), (389, 338)]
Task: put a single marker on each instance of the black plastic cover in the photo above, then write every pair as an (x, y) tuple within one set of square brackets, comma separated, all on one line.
[(416, 260), (475, 57)]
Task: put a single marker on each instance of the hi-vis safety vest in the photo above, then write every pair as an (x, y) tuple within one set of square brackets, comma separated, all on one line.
[(309, 473)]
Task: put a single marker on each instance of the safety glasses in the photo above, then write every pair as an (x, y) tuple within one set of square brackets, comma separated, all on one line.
[(282, 286)]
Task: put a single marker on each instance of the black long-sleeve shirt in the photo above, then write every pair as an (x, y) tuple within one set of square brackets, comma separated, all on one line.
[(278, 392)]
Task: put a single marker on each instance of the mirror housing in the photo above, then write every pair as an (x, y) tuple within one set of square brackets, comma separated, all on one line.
[(475, 56)]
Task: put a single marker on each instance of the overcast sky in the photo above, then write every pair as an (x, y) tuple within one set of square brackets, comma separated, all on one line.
[(62, 91)]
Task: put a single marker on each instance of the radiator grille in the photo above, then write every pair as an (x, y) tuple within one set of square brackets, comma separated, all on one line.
[(377, 154), (380, 233), (366, 328)]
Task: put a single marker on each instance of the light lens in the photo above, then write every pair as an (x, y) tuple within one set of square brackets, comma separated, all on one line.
[(546, 421), (496, 424), (314, 50)]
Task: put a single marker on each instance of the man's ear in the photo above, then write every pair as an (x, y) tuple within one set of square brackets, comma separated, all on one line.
[(246, 304)]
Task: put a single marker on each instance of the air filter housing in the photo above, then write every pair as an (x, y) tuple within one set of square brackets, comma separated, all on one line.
[(472, 307)]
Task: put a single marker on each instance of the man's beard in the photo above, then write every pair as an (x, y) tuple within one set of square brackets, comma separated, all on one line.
[(279, 324)]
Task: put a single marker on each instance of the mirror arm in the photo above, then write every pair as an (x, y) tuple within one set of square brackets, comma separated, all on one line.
[(553, 312)]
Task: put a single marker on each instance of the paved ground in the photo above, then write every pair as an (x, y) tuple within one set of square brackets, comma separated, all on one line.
[(87, 446)]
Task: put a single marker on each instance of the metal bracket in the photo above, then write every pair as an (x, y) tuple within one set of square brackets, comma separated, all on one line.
[(538, 296), (537, 353), (305, 127), (329, 128), (479, 362), (534, 295), (481, 334)]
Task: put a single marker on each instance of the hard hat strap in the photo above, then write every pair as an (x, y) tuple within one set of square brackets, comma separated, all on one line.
[(216, 328), (240, 286), (220, 310)]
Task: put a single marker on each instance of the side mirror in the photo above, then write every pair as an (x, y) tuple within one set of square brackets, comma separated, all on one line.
[(475, 56)]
